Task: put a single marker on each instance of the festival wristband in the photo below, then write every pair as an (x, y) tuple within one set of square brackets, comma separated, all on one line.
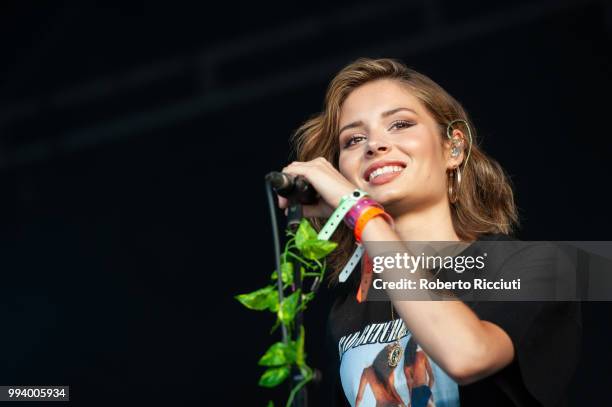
[(350, 219), (350, 266), (367, 216), (360, 250), (346, 203)]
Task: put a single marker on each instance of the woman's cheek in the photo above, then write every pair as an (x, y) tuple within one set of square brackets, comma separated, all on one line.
[(347, 169)]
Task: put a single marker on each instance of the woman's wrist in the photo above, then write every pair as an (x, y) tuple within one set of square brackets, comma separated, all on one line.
[(369, 215), (346, 203), (362, 211), (351, 217), (374, 229)]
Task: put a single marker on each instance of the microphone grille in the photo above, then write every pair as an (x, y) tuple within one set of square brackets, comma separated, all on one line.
[(276, 179)]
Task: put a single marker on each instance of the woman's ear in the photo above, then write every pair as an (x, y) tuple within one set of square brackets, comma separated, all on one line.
[(455, 149)]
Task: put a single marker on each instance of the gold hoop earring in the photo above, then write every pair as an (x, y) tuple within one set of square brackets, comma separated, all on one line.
[(453, 191)]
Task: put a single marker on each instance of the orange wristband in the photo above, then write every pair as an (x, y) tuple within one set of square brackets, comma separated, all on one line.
[(368, 215)]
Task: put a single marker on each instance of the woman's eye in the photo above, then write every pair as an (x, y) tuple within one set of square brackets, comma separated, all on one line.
[(401, 124), (352, 140)]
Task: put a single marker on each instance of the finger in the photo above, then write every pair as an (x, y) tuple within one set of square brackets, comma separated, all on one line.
[(282, 202), (293, 165), (292, 169), (296, 169)]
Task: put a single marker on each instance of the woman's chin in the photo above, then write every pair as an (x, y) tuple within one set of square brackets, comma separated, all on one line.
[(386, 196)]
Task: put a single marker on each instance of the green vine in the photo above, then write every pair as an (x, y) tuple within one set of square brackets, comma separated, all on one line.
[(281, 358)]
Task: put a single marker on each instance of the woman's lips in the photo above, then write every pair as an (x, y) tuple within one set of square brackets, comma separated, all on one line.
[(384, 178)]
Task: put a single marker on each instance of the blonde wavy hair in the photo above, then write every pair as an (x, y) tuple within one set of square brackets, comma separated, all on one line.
[(485, 201)]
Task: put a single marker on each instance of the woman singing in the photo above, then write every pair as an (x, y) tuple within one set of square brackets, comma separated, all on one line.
[(398, 137)]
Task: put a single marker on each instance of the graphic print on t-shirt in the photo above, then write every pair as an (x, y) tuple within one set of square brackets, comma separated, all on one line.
[(369, 379)]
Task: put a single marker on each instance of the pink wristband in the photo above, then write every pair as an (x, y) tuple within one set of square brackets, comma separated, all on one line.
[(350, 219)]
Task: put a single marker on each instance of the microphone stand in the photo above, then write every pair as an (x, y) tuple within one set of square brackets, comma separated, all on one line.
[(294, 216)]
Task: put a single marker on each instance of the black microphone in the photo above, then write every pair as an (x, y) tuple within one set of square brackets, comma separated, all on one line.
[(293, 187)]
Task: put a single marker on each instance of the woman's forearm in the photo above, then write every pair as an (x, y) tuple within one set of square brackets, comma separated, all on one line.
[(449, 331)]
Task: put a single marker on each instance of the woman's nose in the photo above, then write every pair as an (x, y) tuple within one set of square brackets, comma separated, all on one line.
[(376, 146)]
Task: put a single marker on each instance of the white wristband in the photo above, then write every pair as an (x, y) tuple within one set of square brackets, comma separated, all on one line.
[(352, 263), (346, 203)]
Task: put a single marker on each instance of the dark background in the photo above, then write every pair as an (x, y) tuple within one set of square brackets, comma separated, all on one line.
[(134, 141)]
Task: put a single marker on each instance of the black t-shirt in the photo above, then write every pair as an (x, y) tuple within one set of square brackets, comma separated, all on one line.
[(546, 337)]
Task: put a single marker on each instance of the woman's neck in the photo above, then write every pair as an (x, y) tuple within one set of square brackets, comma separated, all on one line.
[(430, 223)]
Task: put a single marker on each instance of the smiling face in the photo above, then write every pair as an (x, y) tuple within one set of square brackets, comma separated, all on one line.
[(390, 146)]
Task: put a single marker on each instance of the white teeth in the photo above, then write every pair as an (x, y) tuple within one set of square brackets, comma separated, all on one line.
[(384, 170)]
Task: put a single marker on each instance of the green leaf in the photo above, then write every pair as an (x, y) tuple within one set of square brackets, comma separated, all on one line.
[(300, 356), (287, 272), (317, 249), (306, 298), (259, 300), (279, 354), (270, 404), (287, 309), (274, 376), (273, 301), (304, 233)]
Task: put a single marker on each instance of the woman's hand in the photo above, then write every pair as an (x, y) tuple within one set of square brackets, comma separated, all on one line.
[(326, 180)]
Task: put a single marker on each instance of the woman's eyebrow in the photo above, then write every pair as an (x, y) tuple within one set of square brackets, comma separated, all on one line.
[(399, 109), (359, 123)]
